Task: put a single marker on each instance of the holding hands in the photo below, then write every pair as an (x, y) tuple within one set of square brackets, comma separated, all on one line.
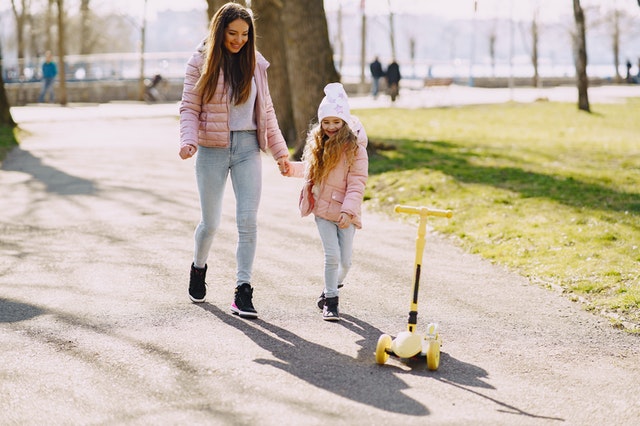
[(284, 166)]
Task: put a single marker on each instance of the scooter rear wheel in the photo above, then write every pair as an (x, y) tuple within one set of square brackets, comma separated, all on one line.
[(433, 355), (384, 343)]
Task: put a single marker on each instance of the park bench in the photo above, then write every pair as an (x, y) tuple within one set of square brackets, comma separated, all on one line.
[(438, 82)]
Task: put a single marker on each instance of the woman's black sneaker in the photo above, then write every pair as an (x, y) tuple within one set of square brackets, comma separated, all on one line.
[(242, 303), (197, 286)]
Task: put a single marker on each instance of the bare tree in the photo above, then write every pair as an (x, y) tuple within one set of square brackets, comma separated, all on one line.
[(392, 32), (214, 5), (270, 41), (21, 17), (61, 53), (309, 61), (48, 43), (143, 41), (493, 37), (615, 42), (535, 39), (580, 49), (618, 24), (5, 109), (534, 33), (85, 29)]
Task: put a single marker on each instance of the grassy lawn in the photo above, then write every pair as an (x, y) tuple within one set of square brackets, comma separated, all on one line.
[(547, 190), (7, 141)]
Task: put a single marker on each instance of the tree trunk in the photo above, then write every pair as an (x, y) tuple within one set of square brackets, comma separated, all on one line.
[(580, 46), (392, 33), (5, 109), (309, 61), (85, 30), (492, 48), (61, 54), (21, 19), (214, 5), (49, 24), (143, 40), (270, 43), (535, 40), (616, 44)]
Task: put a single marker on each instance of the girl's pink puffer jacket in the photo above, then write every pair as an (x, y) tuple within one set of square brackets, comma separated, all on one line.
[(208, 124), (343, 190)]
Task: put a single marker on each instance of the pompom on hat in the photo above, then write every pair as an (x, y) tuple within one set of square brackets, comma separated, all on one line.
[(335, 103)]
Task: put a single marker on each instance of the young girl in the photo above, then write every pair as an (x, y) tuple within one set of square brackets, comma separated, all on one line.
[(227, 116), (335, 167)]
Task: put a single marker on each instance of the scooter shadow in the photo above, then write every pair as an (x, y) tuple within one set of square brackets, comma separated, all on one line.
[(450, 368), (451, 371), (322, 367)]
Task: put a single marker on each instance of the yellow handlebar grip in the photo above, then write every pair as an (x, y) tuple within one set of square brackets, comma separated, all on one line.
[(423, 211)]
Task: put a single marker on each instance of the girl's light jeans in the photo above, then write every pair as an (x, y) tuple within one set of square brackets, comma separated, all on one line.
[(242, 160), (338, 248)]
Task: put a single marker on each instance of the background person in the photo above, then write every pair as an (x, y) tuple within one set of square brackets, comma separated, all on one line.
[(393, 79), (377, 73), (227, 117), (49, 73)]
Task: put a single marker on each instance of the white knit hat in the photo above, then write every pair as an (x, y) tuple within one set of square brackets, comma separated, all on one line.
[(335, 103)]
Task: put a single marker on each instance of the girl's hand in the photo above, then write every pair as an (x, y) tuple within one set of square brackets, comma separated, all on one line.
[(284, 166), (187, 151), (345, 220)]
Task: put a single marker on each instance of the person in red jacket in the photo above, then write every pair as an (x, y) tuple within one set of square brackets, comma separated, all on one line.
[(335, 167), (227, 117)]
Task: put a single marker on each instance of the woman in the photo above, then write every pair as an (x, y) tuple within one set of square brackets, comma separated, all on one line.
[(227, 117)]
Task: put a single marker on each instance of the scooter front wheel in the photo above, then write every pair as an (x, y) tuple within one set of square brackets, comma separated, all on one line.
[(384, 343), (433, 355)]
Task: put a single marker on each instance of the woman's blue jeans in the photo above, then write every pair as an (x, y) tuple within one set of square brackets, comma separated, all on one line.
[(338, 248), (242, 160)]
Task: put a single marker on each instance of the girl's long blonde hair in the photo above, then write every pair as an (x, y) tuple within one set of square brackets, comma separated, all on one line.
[(237, 68), (322, 153)]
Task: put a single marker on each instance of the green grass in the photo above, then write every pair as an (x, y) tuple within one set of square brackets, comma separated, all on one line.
[(543, 188), (7, 141)]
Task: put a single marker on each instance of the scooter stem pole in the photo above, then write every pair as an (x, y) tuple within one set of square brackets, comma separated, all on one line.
[(420, 243)]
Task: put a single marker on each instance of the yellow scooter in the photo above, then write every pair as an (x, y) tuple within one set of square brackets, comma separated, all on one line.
[(409, 343)]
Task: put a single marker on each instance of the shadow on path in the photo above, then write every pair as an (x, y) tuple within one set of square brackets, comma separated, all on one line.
[(505, 408), (55, 181), (325, 368), (11, 311), (452, 371)]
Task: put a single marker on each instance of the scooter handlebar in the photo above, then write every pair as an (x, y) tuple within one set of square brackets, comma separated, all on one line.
[(423, 211)]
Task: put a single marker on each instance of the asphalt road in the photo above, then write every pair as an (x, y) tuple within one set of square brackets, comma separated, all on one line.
[(96, 327)]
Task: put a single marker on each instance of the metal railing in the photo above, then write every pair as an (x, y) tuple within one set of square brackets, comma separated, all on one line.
[(102, 66)]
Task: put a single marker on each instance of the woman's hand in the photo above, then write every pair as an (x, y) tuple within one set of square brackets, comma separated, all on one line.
[(187, 151)]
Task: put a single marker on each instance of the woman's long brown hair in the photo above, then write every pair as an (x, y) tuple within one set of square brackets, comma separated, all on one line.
[(323, 153), (237, 68)]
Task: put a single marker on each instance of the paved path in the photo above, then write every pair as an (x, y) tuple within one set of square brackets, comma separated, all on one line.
[(96, 327)]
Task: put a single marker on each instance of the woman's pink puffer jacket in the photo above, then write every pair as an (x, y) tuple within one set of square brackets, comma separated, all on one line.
[(208, 124)]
